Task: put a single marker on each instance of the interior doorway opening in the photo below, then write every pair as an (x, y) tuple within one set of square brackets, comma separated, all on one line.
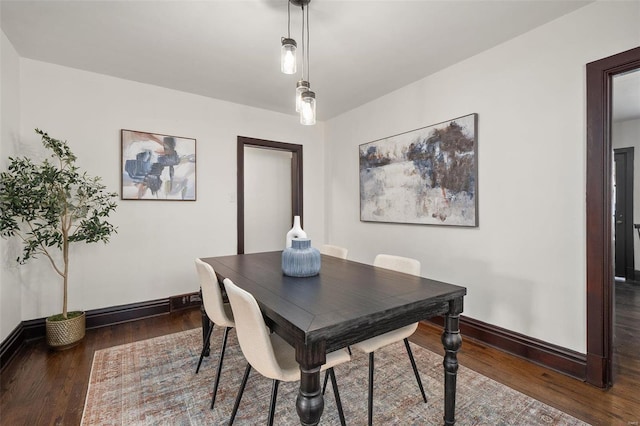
[(292, 151)]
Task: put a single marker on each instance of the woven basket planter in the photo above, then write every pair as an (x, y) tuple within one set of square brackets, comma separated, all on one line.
[(65, 334)]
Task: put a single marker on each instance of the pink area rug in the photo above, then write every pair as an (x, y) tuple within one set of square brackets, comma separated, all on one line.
[(153, 382)]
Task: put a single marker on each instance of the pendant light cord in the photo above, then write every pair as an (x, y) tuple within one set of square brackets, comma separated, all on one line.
[(303, 48), (288, 19), (308, 50)]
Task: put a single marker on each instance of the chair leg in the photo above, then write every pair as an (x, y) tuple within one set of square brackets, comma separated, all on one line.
[(215, 385), (370, 388), (334, 383), (415, 369), (326, 374), (205, 345), (272, 405), (240, 392)]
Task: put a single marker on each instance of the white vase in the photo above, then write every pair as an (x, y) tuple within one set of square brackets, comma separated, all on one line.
[(295, 232)]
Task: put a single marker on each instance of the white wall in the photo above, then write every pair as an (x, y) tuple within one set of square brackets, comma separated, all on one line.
[(10, 315), (626, 134), (524, 266), (152, 254)]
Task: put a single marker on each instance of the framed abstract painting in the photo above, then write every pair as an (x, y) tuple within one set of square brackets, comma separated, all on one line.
[(426, 176), (157, 167)]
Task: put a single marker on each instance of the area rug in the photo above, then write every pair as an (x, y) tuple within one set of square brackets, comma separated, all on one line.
[(153, 382)]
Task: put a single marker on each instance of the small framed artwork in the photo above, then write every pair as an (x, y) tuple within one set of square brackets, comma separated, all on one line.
[(157, 167), (426, 176)]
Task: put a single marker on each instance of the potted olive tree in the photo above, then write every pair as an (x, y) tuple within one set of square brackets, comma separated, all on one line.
[(48, 206)]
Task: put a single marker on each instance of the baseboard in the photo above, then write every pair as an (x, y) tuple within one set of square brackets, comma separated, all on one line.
[(185, 301), (10, 346), (598, 365), (551, 356), (96, 318)]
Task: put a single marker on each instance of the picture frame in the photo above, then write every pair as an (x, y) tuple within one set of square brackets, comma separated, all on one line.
[(157, 167), (427, 176)]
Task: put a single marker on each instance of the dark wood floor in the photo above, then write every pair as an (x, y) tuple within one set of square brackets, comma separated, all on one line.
[(41, 387), (619, 405)]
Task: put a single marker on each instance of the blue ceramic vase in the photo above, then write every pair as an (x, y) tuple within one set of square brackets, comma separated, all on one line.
[(301, 260)]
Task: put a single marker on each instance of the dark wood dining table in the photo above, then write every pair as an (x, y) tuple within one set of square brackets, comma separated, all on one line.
[(347, 302)]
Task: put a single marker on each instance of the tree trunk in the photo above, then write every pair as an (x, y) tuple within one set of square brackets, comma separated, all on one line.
[(65, 253)]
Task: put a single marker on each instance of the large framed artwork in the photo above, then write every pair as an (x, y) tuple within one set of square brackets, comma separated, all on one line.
[(157, 167), (425, 176)]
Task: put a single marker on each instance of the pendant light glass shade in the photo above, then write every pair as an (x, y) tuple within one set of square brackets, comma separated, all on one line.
[(308, 108), (301, 87), (288, 56)]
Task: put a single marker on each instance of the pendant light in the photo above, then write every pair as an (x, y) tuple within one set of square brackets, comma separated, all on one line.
[(288, 50), (308, 108), (288, 56), (307, 97), (301, 87)]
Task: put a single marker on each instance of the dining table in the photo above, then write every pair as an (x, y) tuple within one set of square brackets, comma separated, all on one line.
[(347, 302)]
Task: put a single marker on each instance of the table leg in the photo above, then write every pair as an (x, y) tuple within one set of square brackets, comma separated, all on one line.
[(451, 341), (310, 401), (205, 325)]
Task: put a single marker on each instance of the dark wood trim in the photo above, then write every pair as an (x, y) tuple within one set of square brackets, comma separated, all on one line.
[(10, 346), (240, 195), (598, 204), (185, 301), (631, 262), (546, 354), (297, 184), (95, 318), (118, 314), (296, 179)]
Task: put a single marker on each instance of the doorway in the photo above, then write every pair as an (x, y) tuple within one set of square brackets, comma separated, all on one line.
[(267, 198), (600, 270), (293, 153), (623, 213)]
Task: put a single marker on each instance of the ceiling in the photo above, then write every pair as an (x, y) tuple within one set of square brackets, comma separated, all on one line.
[(229, 49)]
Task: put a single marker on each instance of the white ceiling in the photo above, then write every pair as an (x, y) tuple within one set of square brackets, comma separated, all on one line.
[(229, 49)]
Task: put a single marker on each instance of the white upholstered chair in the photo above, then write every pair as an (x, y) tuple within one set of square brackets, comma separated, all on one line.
[(267, 352), (219, 313), (408, 266), (335, 251)]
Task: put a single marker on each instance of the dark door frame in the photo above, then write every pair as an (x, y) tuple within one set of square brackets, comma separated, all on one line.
[(628, 211), (598, 193), (296, 177)]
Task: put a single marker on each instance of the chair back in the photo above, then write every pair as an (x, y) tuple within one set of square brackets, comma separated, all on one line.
[(398, 263), (335, 251), (212, 295), (253, 333)]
